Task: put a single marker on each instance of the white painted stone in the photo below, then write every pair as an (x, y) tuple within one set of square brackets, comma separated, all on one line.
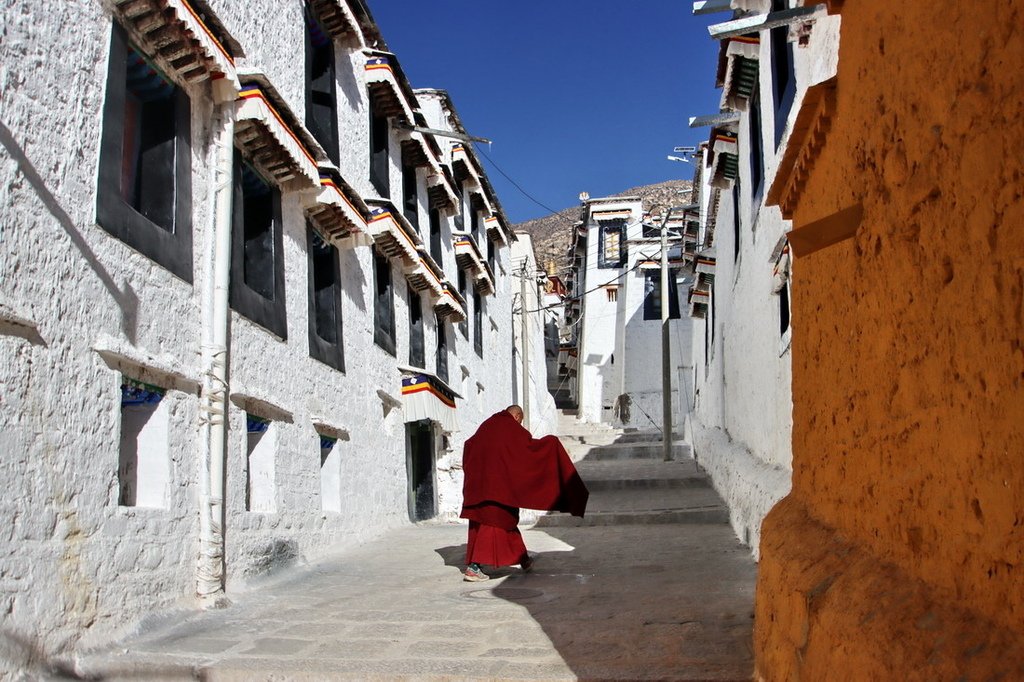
[(75, 567), (742, 416)]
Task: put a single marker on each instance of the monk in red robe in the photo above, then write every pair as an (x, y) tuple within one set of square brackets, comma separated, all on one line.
[(505, 469)]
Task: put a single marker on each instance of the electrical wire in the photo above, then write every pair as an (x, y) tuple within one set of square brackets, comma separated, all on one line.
[(514, 183), (569, 299)]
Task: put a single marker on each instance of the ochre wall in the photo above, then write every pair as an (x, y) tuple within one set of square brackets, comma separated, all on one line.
[(900, 552)]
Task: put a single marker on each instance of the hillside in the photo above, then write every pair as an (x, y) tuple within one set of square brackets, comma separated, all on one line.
[(551, 234)]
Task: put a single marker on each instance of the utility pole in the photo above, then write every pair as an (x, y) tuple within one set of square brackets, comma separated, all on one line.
[(524, 351), (666, 352)]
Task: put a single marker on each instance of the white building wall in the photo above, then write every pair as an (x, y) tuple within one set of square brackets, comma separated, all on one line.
[(543, 416), (79, 309), (742, 421)]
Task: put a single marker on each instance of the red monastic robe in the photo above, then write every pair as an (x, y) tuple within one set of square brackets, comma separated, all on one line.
[(505, 469)]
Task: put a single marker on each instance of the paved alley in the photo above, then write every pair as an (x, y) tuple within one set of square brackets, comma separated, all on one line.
[(651, 585)]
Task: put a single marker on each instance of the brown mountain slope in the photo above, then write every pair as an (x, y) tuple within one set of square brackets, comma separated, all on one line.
[(551, 234)]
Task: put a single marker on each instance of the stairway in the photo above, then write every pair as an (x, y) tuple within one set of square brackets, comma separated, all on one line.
[(630, 483)]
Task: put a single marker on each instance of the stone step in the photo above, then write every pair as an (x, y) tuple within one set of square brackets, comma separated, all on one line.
[(700, 515), (636, 451), (604, 484), (640, 437)]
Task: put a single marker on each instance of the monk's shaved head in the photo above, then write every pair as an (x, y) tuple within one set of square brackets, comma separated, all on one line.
[(516, 412)]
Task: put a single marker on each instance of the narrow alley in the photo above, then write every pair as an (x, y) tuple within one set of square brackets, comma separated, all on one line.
[(593, 607)]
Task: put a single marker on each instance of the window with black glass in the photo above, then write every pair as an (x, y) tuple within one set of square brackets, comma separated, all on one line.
[(144, 195), (442, 348), (321, 88), (756, 147), (417, 354), (383, 303), (379, 152), (736, 220), (325, 326), (257, 249), (478, 323), (464, 325), (652, 295), (490, 254), (783, 73), (435, 235), (460, 192), (410, 199), (612, 249), (474, 223), (784, 309)]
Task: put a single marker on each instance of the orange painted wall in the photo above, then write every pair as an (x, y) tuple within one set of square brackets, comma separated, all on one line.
[(908, 357)]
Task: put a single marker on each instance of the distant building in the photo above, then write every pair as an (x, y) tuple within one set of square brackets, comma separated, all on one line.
[(613, 314), (249, 309)]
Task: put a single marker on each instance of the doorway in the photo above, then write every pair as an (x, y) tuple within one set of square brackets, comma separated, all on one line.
[(419, 460)]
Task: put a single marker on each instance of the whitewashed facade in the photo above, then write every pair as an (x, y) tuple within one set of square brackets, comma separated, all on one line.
[(158, 162), (613, 315), (530, 301), (742, 416)]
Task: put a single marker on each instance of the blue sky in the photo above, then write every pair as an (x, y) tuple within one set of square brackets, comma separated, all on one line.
[(576, 95)]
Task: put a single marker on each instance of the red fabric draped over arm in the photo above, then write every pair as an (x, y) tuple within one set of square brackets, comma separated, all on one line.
[(504, 464)]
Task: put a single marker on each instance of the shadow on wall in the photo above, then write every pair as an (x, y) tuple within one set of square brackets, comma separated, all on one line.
[(126, 298)]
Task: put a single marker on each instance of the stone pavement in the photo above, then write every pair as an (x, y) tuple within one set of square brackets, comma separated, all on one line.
[(652, 585)]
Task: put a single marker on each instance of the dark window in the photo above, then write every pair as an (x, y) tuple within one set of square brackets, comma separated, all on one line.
[(379, 160), (783, 74), (257, 253), (736, 220), (144, 190), (410, 200), (784, 309), (325, 327), (442, 349), (478, 323), (417, 356), (321, 97), (490, 253), (611, 238), (464, 325), (474, 223), (652, 295), (460, 192), (435, 235), (756, 147), (384, 304)]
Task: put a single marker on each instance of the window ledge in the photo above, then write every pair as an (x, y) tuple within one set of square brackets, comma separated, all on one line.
[(162, 370), (262, 406)]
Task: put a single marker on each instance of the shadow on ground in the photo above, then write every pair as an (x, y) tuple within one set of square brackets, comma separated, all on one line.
[(636, 602)]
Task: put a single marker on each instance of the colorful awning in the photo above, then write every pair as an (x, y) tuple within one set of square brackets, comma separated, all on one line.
[(496, 232), (725, 157), (338, 211), (271, 136), (467, 170), (740, 82), (705, 264), (468, 257), (392, 233), (424, 396), (192, 43), (619, 214), (390, 93), (420, 150), (451, 306), (426, 275)]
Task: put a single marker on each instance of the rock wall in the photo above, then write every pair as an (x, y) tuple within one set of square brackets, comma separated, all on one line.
[(898, 554)]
